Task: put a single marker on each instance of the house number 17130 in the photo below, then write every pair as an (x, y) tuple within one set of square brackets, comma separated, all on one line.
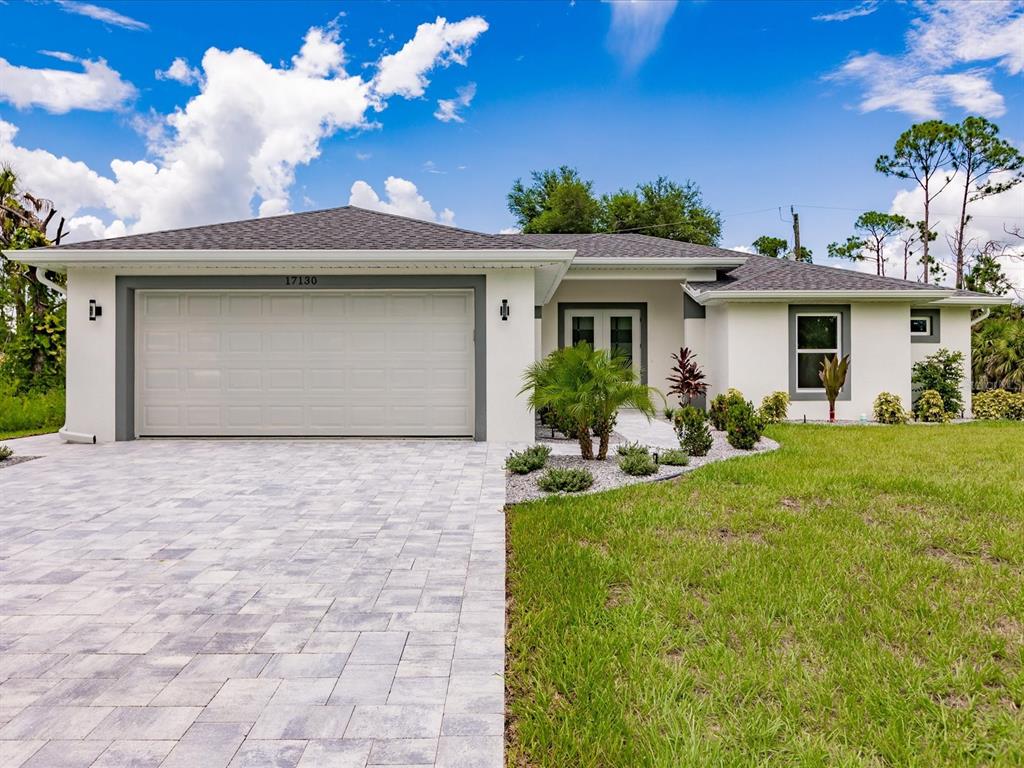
[(300, 280)]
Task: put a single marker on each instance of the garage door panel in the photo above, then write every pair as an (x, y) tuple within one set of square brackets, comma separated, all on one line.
[(304, 363)]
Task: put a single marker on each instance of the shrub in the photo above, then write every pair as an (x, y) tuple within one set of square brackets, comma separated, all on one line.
[(30, 412), (998, 404), (889, 409), (942, 373), (526, 461), (1015, 410), (630, 449), (5, 452), (669, 413), (569, 480), (686, 379), (718, 413), (774, 407), (674, 457), (744, 426), (638, 464), (930, 407), (692, 429)]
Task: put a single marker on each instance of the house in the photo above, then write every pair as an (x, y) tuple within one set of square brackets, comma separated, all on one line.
[(353, 322)]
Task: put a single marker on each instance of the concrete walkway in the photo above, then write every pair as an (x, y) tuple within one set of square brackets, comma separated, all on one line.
[(252, 603), (634, 427)]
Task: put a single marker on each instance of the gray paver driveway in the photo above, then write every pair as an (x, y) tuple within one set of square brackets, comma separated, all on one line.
[(253, 603)]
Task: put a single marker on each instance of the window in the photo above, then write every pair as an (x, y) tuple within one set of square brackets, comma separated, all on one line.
[(920, 325), (818, 336), (583, 330)]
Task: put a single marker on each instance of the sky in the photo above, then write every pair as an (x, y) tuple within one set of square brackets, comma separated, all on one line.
[(137, 116)]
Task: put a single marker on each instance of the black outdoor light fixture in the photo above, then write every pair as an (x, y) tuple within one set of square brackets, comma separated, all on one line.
[(505, 311), (95, 310)]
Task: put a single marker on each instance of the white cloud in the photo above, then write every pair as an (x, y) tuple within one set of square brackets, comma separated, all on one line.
[(97, 87), (742, 248), (180, 72), (510, 231), (865, 8), (363, 155), (637, 26), (403, 199), (99, 13), (437, 43), (61, 56), (448, 109), (928, 75)]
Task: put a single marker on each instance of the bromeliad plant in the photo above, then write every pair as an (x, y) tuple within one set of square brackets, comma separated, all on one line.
[(833, 377), (586, 387), (686, 379)]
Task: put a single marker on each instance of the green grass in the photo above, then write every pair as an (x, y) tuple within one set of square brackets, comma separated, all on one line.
[(32, 414), (855, 598)]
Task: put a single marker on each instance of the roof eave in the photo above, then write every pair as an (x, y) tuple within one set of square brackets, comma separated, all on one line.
[(719, 297), (975, 301), (662, 262)]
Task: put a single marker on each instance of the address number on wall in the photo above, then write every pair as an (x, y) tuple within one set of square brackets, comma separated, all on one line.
[(300, 280)]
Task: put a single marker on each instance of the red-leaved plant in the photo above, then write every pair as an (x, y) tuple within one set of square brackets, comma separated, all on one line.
[(687, 379)]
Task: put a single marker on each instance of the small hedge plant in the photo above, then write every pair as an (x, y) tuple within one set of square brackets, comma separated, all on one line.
[(669, 413), (674, 457), (638, 464), (718, 413), (930, 407), (942, 373), (774, 407), (888, 409), (5, 452), (630, 449), (692, 430), (744, 426), (526, 461), (998, 404), (571, 480)]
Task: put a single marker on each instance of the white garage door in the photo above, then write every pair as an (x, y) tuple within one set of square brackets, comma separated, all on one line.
[(325, 362)]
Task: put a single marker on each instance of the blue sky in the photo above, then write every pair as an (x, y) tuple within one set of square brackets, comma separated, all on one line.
[(763, 104)]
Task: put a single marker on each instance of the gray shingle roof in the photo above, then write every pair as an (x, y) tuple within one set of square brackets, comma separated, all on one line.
[(345, 228), (626, 245)]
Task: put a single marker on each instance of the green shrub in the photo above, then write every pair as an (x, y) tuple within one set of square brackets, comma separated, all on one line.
[(674, 457), (526, 461), (1015, 409), (669, 412), (567, 480), (718, 413), (774, 407), (930, 407), (998, 404), (35, 411), (638, 464), (631, 449), (889, 409), (692, 430), (5, 452), (943, 373), (744, 426)]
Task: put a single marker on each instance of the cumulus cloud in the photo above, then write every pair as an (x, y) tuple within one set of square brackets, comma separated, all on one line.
[(636, 29), (437, 43), (510, 231), (951, 51), (402, 199), (180, 72), (448, 109), (99, 13), (232, 148), (97, 87), (865, 8)]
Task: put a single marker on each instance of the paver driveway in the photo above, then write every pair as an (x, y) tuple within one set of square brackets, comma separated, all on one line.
[(253, 603)]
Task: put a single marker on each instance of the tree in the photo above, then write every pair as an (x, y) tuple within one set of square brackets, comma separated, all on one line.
[(662, 208), (997, 350), (778, 248), (873, 229), (556, 201), (986, 273), (978, 154), (922, 153)]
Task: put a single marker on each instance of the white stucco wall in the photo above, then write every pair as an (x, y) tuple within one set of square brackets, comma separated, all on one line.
[(510, 349), (954, 335), (91, 353)]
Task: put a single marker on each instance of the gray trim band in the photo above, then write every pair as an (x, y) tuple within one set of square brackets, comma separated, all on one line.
[(126, 285), (563, 306), (935, 336), (844, 310)]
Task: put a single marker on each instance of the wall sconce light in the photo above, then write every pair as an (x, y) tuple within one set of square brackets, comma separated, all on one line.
[(505, 311), (95, 310)]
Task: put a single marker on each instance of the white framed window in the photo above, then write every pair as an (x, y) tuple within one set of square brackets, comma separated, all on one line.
[(818, 335), (920, 325)]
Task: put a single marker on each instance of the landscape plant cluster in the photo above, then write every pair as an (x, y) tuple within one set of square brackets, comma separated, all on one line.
[(998, 404)]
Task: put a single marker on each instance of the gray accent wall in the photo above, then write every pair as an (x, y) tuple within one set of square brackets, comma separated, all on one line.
[(935, 336), (844, 310), (126, 285), (691, 309), (563, 306)]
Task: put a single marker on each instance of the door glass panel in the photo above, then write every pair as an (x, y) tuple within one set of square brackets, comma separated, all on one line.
[(621, 341), (583, 330)]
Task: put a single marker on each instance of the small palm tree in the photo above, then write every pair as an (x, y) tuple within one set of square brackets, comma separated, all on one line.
[(587, 387), (833, 377)]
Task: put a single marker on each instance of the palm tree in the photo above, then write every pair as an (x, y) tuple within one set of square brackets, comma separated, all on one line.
[(587, 387), (998, 350), (833, 377)]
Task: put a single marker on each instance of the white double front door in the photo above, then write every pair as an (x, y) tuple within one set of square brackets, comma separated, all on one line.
[(616, 330)]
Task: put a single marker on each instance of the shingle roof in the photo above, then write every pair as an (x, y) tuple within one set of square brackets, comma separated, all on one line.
[(626, 245), (345, 228), (763, 273)]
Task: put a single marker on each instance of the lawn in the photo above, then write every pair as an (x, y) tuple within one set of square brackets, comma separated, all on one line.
[(854, 598), (31, 414)]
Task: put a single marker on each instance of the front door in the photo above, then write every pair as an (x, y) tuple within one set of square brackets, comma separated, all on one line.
[(616, 330)]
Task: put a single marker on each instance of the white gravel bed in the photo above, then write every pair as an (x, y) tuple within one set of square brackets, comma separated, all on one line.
[(16, 459), (607, 475)]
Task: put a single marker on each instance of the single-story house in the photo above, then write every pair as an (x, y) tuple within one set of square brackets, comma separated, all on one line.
[(353, 322)]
